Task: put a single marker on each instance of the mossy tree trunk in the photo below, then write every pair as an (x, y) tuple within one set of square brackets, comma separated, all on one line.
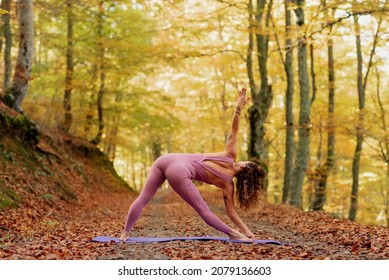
[(25, 54)]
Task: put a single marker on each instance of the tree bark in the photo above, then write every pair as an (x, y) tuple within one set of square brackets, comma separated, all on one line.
[(302, 156), (289, 145), (6, 5), (320, 191), (69, 70), (24, 60), (101, 92), (261, 98)]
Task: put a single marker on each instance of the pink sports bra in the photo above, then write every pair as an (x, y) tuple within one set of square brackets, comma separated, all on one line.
[(217, 173)]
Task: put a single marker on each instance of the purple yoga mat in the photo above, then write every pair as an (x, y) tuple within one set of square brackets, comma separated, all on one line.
[(167, 239)]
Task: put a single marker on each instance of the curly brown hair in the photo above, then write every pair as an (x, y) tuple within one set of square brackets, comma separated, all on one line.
[(249, 184)]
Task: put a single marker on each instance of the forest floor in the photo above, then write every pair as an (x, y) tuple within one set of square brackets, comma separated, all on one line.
[(68, 235)]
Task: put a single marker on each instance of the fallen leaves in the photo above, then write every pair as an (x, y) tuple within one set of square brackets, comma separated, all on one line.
[(68, 236)]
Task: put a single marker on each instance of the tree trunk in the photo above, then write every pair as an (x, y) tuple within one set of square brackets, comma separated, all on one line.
[(384, 148), (111, 135), (101, 92), (362, 82), (289, 146), (302, 156), (24, 60), (261, 99), (313, 74), (320, 191), (6, 5), (358, 149), (91, 102), (69, 70)]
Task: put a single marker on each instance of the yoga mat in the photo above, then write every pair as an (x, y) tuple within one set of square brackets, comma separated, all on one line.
[(181, 238)]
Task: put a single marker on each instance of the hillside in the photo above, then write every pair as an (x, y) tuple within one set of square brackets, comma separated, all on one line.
[(57, 192), (47, 178)]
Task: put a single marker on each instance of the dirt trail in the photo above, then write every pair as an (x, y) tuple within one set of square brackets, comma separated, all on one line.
[(310, 235)]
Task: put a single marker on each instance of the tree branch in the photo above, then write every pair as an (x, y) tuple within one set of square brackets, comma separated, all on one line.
[(185, 55)]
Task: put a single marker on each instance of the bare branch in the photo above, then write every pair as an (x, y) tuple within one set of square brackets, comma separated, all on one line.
[(372, 52), (185, 55), (239, 5)]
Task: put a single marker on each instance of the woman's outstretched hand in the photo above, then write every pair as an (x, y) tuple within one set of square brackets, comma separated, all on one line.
[(242, 99)]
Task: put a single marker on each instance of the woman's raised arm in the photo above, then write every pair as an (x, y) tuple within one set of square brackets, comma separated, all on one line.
[(232, 142)]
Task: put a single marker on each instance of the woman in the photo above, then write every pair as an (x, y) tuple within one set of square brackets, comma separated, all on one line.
[(214, 168)]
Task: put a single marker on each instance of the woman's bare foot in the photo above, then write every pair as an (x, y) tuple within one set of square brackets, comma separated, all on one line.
[(236, 235), (125, 235)]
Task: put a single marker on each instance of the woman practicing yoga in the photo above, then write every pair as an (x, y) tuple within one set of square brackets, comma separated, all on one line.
[(214, 168)]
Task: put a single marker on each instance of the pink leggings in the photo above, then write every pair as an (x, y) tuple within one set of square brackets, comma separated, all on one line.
[(177, 170)]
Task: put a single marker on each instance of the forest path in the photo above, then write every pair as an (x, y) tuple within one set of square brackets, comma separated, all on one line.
[(310, 235)]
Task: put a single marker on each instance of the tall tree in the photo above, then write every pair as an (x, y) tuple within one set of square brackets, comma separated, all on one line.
[(263, 95), (361, 82), (69, 69), (288, 66), (100, 94), (6, 6), (358, 148), (383, 143), (302, 156), (323, 172), (24, 60)]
